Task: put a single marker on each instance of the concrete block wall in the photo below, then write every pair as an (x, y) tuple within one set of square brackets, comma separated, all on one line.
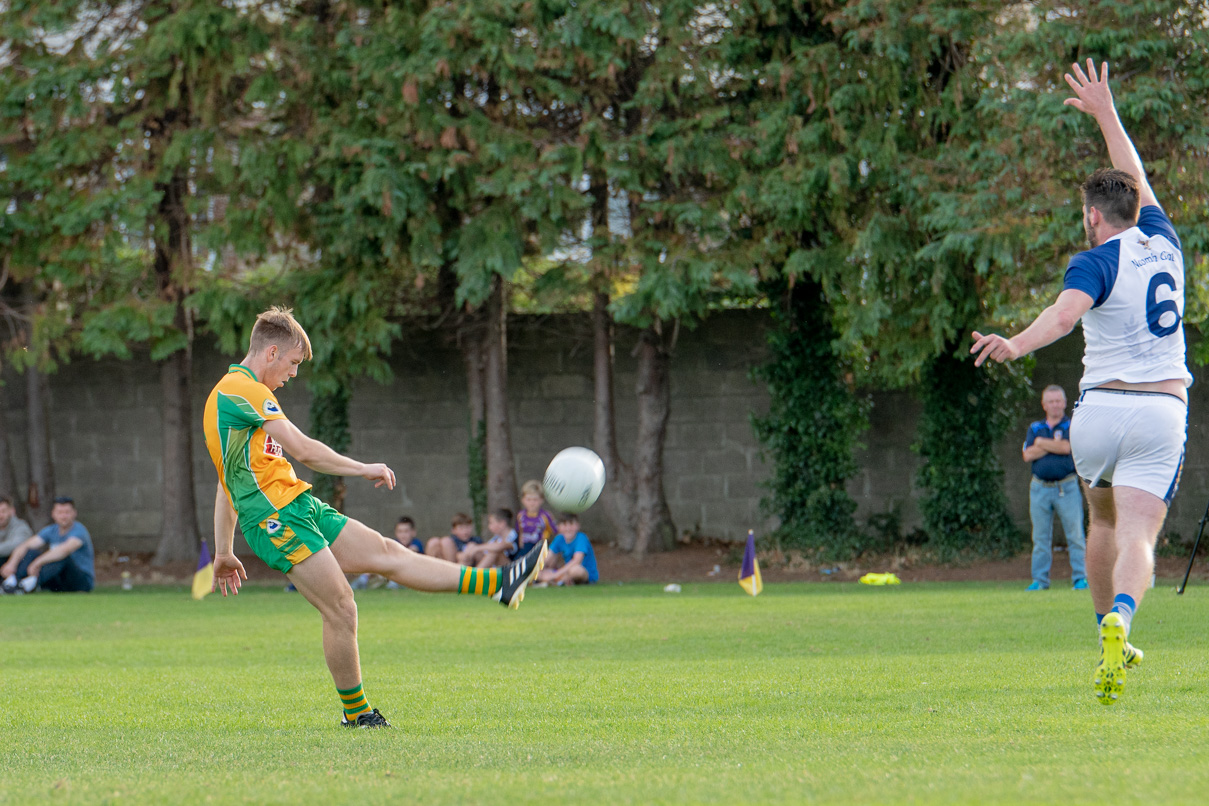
[(106, 420)]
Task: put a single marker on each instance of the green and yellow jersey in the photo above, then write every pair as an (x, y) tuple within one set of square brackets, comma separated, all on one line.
[(257, 478)]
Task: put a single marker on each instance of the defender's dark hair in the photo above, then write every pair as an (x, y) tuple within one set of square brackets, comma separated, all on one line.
[(566, 517), (503, 514), (407, 519), (4, 499), (1114, 193)]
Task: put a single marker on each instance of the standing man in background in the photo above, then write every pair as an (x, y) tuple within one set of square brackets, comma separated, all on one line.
[(1054, 490)]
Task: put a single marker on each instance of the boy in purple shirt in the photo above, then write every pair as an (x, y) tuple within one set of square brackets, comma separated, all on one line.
[(534, 523)]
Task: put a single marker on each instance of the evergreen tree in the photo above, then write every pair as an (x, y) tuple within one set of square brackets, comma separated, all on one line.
[(123, 124)]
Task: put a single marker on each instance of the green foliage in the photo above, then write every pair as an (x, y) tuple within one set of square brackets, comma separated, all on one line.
[(1009, 178), (120, 131), (811, 429), (966, 410)]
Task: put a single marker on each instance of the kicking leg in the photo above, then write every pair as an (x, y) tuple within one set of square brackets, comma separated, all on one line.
[(359, 549)]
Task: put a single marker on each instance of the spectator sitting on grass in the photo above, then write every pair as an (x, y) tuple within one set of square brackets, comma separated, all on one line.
[(13, 530), (498, 549), (58, 558), (534, 523), (572, 552), (461, 534), (405, 534)]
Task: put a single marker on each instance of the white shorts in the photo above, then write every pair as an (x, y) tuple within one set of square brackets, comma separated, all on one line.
[(1129, 439)]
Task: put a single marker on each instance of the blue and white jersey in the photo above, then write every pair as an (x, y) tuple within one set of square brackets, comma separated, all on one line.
[(1136, 281)]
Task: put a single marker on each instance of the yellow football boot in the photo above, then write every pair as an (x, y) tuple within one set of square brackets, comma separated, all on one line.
[(1109, 680)]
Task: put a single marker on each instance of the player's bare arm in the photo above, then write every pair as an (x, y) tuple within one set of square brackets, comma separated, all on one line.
[(1054, 322), (228, 570), (1093, 96), (322, 459)]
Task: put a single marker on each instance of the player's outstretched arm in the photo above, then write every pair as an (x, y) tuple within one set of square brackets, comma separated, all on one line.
[(322, 459), (1093, 96), (228, 570), (1054, 322)]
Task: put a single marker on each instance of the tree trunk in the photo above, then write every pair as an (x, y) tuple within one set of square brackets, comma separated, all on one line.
[(471, 336), (41, 463), (179, 536), (8, 476), (501, 468), (618, 496), (656, 532)]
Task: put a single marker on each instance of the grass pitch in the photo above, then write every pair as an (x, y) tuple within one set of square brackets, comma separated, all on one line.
[(810, 693)]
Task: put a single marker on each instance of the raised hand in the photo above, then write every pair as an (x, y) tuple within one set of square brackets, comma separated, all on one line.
[(1093, 95)]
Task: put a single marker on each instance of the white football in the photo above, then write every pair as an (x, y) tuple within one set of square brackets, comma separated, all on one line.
[(574, 480)]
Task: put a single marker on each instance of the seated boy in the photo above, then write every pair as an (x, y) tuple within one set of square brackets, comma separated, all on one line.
[(572, 552), (461, 533), (534, 523), (498, 549), (405, 534)]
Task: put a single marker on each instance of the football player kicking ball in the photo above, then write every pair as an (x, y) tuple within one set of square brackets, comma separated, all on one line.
[(1130, 423), (299, 535)]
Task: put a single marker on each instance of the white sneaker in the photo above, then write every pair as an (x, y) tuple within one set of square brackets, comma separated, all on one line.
[(28, 584)]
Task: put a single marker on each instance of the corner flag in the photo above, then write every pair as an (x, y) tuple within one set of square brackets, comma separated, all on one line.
[(203, 578), (749, 576)]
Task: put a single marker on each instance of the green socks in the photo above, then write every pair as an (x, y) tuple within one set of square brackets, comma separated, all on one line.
[(479, 581), (354, 702)]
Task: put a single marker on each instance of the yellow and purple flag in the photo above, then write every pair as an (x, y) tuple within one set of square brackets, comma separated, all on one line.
[(749, 575), (203, 578)]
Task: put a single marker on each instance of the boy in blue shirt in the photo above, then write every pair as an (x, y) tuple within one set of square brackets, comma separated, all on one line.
[(572, 552), (58, 558)]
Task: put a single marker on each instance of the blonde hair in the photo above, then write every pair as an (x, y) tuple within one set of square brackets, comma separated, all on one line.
[(532, 486), (278, 326)]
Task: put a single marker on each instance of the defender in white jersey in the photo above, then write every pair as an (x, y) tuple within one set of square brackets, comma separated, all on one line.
[(1129, 427)]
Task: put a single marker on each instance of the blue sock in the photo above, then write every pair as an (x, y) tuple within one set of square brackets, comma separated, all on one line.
[(1099, 618), (1124, 604)]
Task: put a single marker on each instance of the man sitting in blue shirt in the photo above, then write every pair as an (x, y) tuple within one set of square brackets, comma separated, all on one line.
[(1054, 489), (572, 551), (58, 558)]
